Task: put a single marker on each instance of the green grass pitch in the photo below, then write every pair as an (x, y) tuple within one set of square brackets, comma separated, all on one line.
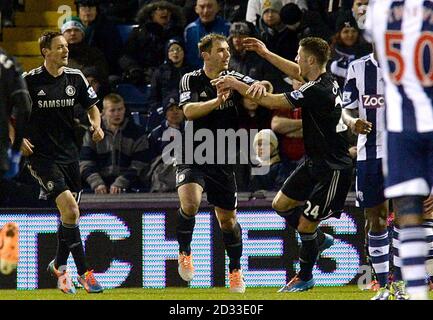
[(318, 293)]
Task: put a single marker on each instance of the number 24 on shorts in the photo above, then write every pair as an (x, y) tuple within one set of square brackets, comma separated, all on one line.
[(314, 212)]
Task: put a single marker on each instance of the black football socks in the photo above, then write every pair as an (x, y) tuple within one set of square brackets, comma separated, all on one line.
[(233, 244), (184, 230)]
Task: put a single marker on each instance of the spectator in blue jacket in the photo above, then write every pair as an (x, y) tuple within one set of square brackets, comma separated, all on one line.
[(166, 78), (207, 22), (173, 120), (114, 164)]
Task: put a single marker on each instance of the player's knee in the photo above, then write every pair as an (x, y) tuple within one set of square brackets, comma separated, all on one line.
[(71, 214), (190, 208), (228, 224), (279, 205)]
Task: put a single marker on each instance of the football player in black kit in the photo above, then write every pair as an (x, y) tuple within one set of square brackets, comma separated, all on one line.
[(318, 188), (206, 108), (15, 105), (53, 153)]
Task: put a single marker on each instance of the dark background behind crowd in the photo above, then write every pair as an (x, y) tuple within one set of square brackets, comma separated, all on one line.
[(134, 53)]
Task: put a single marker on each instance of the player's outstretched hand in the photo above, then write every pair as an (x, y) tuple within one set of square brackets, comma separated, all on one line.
[(101, 189), (361, 126), (257, 90), (27, 148), (256, 45), (98, 134)]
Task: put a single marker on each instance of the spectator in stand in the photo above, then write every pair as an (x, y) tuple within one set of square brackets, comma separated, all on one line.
[(358, 11), (119, 12), (288, 125), (207, 22), (304, 23), (254, 8), (277, 36), (81, 55), (173, 119), (166, 78), (329, 10), (233, 10), (242, 61), (114, 165), (266, 147), (100, 33), (162, 173), (253, 116), (145, 49), (347, 45)]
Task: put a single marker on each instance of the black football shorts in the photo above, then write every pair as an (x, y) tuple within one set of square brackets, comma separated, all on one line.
[(55, 178), (323, 189), (217, 180)]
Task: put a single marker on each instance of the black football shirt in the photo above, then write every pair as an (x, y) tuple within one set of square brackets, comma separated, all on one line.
[(11, 83), (196, 87), (323, 128), (51, 127)]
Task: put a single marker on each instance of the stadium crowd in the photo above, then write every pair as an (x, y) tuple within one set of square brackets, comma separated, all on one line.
[(134, 53)]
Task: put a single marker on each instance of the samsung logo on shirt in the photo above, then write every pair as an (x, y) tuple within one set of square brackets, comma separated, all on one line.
[(56, 103)]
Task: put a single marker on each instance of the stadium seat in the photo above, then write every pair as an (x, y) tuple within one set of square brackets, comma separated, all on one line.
[(135, 97), (125, 30)]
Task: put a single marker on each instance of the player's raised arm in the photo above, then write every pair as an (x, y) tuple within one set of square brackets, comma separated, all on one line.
[(268, 100), (288, 67)]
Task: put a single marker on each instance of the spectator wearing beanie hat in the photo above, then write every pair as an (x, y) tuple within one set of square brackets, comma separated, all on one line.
[(278, 39), (304, 23), (254, 8), (100, 33), (347, 45), (166, 78), (81, 55), (245, 62), (173, 118)]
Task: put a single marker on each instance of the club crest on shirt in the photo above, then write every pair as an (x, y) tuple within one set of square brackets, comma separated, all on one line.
[(70, 90), (296, 94), (50, 185)]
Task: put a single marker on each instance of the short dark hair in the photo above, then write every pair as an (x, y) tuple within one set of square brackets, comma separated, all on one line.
[(46, 39), (318, 48), (206, 43)]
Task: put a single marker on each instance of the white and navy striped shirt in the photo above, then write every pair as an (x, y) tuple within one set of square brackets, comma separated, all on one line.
[(401, 31), (364, 90)]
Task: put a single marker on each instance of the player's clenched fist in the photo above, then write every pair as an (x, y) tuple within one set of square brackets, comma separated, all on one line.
[(98, 134)]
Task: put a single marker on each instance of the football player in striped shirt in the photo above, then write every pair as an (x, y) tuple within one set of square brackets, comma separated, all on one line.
[(401, 31), (364, 107)]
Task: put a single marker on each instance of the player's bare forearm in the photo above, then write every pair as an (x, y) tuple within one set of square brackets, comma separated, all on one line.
[(94, 117), (357, 125), (196, 110), (289, 68), (270, 101), (283, 125), (95, 120)]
